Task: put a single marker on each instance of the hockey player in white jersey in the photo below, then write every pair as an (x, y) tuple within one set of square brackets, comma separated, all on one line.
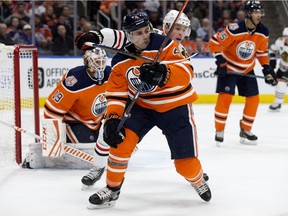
[(117, 38), (280, 48)]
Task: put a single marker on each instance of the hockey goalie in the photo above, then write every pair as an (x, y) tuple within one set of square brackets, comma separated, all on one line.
[(72, 117)]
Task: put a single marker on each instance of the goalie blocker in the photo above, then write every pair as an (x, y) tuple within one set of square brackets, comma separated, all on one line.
[(50, 153)]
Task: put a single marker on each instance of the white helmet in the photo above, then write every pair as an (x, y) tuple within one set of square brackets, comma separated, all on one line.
[(285, 32), (182, 20), (95, 60)]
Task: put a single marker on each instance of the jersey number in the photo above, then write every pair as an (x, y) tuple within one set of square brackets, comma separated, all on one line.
[(57, 97)]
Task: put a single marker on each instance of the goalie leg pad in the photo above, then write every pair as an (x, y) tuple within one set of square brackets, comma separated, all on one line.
[(54, 135)]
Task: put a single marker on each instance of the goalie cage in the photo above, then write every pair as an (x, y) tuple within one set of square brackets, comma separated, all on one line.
[(19, 100)]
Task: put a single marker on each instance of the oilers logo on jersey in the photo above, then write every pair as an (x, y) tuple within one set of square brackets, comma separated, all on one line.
[(134, 80), (99, 105), (245, 50)]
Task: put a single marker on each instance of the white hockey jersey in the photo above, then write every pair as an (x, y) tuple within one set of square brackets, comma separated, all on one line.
[(279, 48), (117, 39)]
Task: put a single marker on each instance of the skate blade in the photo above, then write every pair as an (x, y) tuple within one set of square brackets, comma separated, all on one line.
[(245, 141), (276, 110), (219, 144), (105, 205)]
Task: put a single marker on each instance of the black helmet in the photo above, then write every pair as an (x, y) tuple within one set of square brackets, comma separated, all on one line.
[(251, 6), (134, 22)]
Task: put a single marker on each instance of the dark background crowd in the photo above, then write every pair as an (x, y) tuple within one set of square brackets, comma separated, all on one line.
[(54, 29)]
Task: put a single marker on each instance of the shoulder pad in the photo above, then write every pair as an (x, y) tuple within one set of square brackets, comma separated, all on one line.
[(77, 79), (233, 26)]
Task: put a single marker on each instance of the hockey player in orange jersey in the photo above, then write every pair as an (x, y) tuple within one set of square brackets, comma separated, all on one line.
[(165, 102), (80, 103), (236, 49)]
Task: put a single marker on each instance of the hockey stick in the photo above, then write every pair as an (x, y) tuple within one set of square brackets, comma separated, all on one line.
[(68, 149), (126, 114), (241, 74), (135, 56)]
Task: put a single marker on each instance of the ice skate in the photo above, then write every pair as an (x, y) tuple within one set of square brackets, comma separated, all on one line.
[(275, 107), (104, 198), (219, 138), (93, 176), (247, 137), (203, 190)]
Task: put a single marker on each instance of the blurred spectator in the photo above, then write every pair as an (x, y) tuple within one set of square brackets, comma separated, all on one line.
[(200, 47), (5, 10), (155, 19), (48, 18), (224, 24), (62, 42), (87, 27), (224, 16), (218, 7), (19, 11), (4, 37), (61, 20), (25, 36), (67, 14), (202, 10), (195, 23), (197, 46), (14, 28), (240, 16), (114, 12), (82, 21), (39, 8), (42, 29), (205, 31)]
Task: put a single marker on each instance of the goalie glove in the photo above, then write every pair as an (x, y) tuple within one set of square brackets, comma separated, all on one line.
[(157, 74), (270, 76), (110, 135), (91, 36)]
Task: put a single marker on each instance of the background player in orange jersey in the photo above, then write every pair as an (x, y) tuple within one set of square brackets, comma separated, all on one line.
[(280, 47), (73, 113), (164, 101), (236, 49)]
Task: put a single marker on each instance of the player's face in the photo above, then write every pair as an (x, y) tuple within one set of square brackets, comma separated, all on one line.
[(141, 37), (178, 33), (256, 16)]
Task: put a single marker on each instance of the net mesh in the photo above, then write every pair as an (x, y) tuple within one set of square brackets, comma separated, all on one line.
[(7, 101)]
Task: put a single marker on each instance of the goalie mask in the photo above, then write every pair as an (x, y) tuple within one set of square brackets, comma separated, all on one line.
[(182, 20), (95, 60), (133, 22)]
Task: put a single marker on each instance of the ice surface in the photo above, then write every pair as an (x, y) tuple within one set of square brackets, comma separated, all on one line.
[(245, 180)]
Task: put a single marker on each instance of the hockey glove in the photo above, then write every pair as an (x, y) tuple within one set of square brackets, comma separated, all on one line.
[(270, 76), (273, 60), (157, 74), (91, 36), (221, 66), (111, 136)]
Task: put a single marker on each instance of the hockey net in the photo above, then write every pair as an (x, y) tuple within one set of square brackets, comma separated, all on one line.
[(19, 100)]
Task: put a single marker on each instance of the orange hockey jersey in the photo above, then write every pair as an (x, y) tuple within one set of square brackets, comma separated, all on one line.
[(240, 48), (124, 80), (78, 98)]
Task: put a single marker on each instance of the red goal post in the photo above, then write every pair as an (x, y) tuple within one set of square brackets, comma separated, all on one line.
[(19, 99)]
